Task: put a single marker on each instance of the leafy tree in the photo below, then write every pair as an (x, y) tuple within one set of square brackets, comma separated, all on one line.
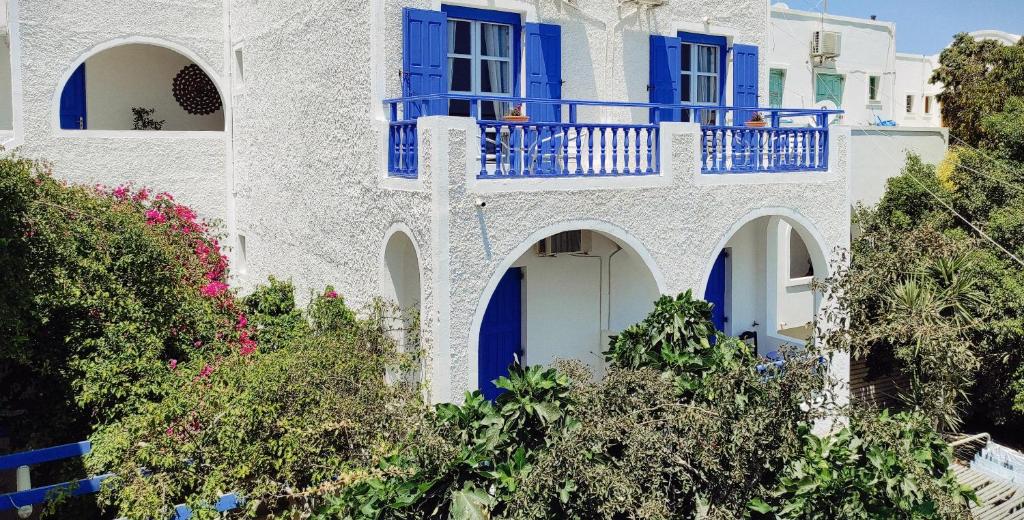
[(878, 467)]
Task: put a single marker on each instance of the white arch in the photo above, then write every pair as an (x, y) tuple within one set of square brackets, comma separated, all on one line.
[(812, 238), (128, 40), (621, 236), (396, 228)]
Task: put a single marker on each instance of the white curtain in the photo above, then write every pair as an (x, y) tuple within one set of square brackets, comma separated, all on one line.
[(495, 40)]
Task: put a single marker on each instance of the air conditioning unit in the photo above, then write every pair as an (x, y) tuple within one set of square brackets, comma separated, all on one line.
[(576, 241), (826, 44)]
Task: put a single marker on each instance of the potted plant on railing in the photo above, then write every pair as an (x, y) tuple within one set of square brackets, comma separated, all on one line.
[(757, 121), (515, 115)]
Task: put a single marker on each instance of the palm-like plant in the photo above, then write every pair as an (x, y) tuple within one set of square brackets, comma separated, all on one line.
[(929, 317)]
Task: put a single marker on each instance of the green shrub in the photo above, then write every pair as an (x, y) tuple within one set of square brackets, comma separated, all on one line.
[(878, 467), (279, 428), (109, 287)]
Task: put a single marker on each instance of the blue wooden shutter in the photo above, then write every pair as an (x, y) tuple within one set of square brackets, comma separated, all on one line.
[(665, 74), (424, 60), (72, 101), (744, 83), (544, 69)]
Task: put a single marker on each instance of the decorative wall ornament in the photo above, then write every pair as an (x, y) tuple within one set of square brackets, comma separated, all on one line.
[(195, 91)]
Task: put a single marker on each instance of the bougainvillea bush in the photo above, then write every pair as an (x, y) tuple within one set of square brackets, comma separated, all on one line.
[(118, 325), (108, 294)]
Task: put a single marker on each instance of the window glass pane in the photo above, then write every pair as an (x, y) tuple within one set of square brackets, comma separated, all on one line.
[(910, 104), (686, 89), (495, 77), (687, 58), (460, 74), (458, 107), (927, 105), (494, 40), (828, 87), (707, 89), (460, 39), (873, 88), (707, 58)]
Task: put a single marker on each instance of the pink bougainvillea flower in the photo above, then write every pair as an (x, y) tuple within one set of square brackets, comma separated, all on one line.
[(154, 216), (172, 364), (213, 289), (242, 321), (198, 343), (141, 195), (170, 431), (163, 195), (330, 295), (121, 192), (205, 372), (184, 213)]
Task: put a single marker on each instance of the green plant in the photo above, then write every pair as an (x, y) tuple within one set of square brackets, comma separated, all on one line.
[(677, 336), (280, 427), (879, 467), (143, 119)]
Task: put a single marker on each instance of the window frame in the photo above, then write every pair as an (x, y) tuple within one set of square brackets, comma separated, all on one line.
[(695, 41), (842, 81), (782, 91), (874, 97), (477, 17), (928, 105)]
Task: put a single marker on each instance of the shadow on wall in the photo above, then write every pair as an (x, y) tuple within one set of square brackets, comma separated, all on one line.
[(140, 87)]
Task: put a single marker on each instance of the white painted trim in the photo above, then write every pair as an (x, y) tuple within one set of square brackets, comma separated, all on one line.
[(799, 282), (142, 134), (525, 9), (620, 236), (17, 89), (218, 80)]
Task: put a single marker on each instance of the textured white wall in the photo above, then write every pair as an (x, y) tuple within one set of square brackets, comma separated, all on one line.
[(136, 75), (868, 49), (879, 152), (56, 34)]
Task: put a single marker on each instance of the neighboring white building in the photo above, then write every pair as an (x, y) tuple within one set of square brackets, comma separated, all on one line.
[(855, 67), (539, 238)]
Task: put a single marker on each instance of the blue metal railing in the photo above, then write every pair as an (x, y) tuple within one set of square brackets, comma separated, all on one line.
[(567, 147), (86, 486)]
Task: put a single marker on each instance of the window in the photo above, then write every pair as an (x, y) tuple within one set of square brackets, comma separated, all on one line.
[(829, 87), (927, 104), (910, 104), (873, 84), (479, 62), (703, 75), (776, 86)]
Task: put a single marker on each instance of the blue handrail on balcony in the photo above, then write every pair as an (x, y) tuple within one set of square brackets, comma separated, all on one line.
[(570, 148), (86, 486)]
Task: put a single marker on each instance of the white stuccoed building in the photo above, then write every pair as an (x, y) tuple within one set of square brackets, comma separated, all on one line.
[(374, 146)]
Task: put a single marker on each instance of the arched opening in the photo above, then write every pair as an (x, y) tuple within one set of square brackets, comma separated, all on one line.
[(140, 86), (761, 282), (400, 279), (562, 299)]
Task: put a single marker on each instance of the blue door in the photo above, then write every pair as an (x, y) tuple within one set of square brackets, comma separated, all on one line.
[(72, 101), (715, 291), (501, 333), (544, 81)]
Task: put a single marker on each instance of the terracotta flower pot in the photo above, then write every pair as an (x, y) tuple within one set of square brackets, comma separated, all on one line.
[(757, 124), (517, 119)]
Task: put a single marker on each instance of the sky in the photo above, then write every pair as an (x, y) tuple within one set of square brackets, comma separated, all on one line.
[(927, 26)]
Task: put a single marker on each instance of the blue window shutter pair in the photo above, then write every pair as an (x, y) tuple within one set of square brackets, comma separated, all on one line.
[(425, 62), (665, 71), (744, 83)]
